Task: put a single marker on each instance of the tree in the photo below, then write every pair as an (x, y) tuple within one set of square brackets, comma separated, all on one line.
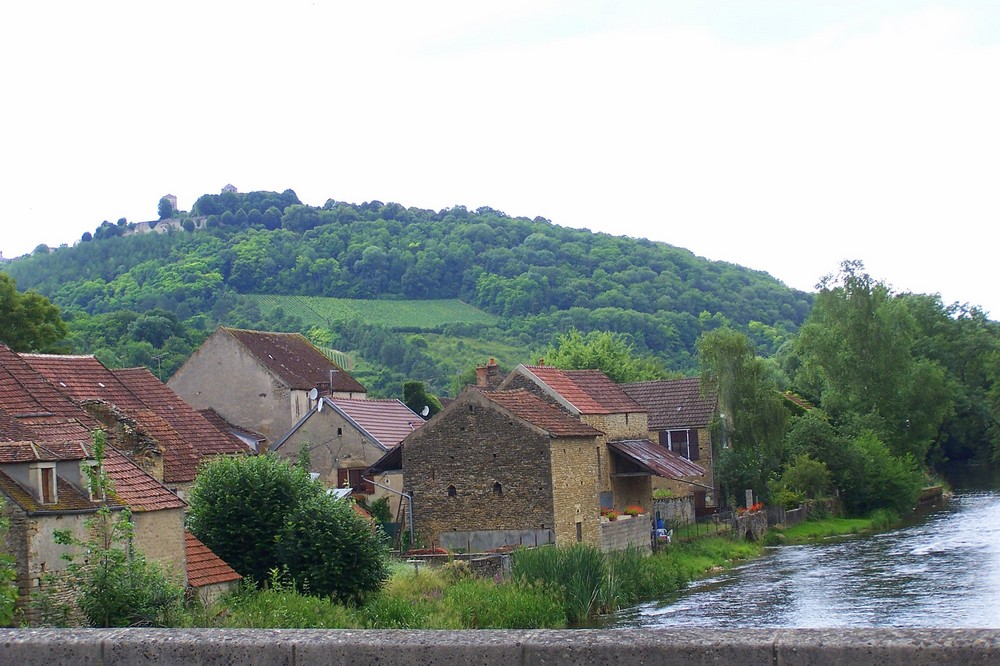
[(28, 321), (330, 552), (611, 353), (260, 514), (857, 348), (238, 507), (165, 208), (416, 397), (753, 417)]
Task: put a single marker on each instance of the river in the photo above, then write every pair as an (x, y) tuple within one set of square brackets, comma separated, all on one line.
[(942, 570)]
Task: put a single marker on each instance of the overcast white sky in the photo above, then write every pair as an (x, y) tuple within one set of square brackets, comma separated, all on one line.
[(782, 135)]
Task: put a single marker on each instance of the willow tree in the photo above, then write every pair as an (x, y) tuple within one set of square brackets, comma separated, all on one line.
[(753, 418)]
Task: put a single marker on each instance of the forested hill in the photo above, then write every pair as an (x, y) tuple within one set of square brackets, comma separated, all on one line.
[(538, 278)]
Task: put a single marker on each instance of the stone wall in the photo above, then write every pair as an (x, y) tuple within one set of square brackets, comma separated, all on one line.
[(675, 511), (622, 647), (626, 531), (223, 375), (577, 512), (159, 535), (472, 447)]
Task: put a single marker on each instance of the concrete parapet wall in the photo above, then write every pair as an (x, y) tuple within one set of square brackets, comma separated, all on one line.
[(679, 647)]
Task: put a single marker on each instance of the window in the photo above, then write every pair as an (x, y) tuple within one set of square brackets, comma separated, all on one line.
[(497, 489), (352, 478), (452, 491), (682, 442), (45, 482)]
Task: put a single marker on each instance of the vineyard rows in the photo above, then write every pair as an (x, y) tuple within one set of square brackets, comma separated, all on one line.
[(412, 315)]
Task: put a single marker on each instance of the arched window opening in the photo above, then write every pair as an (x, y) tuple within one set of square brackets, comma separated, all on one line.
[(497, 489), (452, 492)]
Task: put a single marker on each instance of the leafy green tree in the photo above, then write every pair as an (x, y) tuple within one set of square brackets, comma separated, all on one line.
[(115, 585), (165, 209), (611, 353), (261, 514), (238, 507), (329, 551), (857, 348), (807, 476), (28, 321), (416, 397)]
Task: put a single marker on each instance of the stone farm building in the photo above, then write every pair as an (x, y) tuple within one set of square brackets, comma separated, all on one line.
[(45, 448), (533, 462), (264, 382)]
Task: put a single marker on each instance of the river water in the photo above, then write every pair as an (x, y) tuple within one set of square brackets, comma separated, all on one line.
[(943, 570)]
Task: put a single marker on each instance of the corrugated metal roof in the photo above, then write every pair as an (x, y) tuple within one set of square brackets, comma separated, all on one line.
[(657, 459), (674, 403), (295, 360)]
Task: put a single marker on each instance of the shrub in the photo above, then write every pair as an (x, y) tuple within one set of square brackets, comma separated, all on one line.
[(8, 588), (282, 607), (807, 477), (884, 481), (883, 519), (483, 604), (579, 572)]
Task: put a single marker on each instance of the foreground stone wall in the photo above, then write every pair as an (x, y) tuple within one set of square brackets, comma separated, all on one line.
[(679, 647), (624, 532)]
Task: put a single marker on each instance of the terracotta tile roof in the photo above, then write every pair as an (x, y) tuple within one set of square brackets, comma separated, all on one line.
[(136, 488), (587, 391), (388, 421), (529, 407), (656, 459), (674, 403), (203, 566), (220, 422), (295, 360), (70, 499), (26, 392), (83, 378), (190, 425)]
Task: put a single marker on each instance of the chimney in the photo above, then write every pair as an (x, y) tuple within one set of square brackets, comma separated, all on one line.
[(492, 372), (481, 380)]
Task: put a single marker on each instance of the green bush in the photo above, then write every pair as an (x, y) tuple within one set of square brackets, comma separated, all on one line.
[(8, 588), (807, 477), (282, 607), (579, 572), (883, 519), (883, 481)]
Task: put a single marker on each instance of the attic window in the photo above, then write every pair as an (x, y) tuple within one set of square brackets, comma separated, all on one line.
[(498, 489), (45, 482), (340, 432), (452, 491)]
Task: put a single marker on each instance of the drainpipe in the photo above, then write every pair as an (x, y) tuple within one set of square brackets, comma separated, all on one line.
[(409, 505)]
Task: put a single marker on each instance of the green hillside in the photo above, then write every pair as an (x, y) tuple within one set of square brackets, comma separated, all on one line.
[(413, 315), (353, 276)]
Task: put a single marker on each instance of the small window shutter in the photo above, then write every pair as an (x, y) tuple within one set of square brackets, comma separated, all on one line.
[(663, 439), (343, 479), (693, 444), (367, 487)]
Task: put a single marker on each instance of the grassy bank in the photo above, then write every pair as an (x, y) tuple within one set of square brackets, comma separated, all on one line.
[(825, 528), (550, 588)]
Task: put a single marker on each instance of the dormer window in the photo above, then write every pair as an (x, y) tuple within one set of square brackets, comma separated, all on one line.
[(44, 479)]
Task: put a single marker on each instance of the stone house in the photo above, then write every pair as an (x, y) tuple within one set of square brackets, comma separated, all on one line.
[(45, 446), (501, 468), (265, 382), (345, 437), (152, 424), (627, 460), (680, 420)]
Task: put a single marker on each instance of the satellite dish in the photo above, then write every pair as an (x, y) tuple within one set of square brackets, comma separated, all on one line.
[(313, 394), (425, 411)]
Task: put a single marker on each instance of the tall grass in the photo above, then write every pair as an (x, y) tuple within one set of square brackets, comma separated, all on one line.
[(579, 573)]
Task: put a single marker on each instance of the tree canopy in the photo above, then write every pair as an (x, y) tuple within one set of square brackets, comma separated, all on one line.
[(28, 321)]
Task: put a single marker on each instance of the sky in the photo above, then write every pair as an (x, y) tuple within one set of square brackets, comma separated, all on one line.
[(781, 135)]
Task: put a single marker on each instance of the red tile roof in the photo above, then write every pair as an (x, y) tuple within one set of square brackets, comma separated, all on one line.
[(191, 425), (529, 407), (657, 459), (587, 391), (136, 488), (216, 419), (387, 421), (24, 392), (205, 567), (295, 360), (674, 403)]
